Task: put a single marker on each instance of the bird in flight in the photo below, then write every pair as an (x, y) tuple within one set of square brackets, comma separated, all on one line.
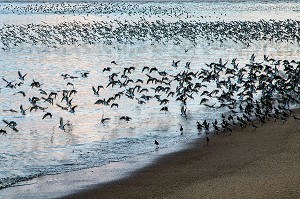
[(48, 114), (62, 125)]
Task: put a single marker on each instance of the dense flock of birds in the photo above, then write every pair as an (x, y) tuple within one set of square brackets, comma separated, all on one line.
[(158, 31), (251, 93), (247, 94), (131, 31), (84, 8)]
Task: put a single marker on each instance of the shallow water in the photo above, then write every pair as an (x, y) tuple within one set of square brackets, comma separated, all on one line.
[(40, 148)]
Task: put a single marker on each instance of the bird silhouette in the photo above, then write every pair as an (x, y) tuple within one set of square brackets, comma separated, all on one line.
[(62, 125), (48, 114), (103, 119)]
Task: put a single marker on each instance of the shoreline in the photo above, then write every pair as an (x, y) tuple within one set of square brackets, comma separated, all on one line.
[(63, 184), (261, 163)]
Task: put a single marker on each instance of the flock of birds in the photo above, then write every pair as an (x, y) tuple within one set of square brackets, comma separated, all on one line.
[(83, 8), (247, 94), (255, 91), (158, 30)]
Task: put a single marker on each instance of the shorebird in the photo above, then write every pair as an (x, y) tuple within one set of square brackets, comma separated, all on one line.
[(21, 77), (175, 64), (183, 111), (156, 143), (199, 126), (35, 84), (72, 109), (70, 84), (126, 118), (165, 108), (21, 92), (62, 125), (19, 84), (114, 105), (216, 127), (42, 92), (72, 92), (62, 107), (9, 84), (153, 69), (187, 65), (139, 81), (103, 119), (96, 91), (203, 100), (22, 110), (106, 69), (3, 132), (11, 124), (145, 68), (207, 140), (102, 101), (49, 100), (69, 102), (84, 74), (206, 125), (52, 94), (48, 114)]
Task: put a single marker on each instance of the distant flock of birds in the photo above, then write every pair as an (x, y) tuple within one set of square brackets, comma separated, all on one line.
[(99, 8), (255, 92), (158, 31)]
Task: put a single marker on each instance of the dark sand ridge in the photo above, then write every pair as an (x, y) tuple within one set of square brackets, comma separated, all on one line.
[(264, 163)]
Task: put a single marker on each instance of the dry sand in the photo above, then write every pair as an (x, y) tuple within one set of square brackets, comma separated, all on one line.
[(246, 164)]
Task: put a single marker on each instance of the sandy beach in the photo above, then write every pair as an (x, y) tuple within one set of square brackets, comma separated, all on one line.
[(261, 163)]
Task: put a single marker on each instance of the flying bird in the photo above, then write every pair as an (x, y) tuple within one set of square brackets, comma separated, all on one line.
[(62, 124), (48, 114)]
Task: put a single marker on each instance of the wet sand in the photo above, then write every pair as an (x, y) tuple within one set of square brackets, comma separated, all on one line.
[(261, 163)]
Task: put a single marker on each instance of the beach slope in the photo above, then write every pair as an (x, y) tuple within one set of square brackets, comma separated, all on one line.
[(261, 163)]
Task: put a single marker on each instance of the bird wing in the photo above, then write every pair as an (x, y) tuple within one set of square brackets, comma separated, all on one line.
[(5, 80), (45, 116), (94, 89), (6, 122)]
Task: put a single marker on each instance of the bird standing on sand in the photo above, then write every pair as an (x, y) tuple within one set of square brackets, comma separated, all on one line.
[(207, 140)]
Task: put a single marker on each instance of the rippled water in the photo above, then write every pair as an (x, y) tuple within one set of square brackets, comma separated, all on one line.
[(41, 148)]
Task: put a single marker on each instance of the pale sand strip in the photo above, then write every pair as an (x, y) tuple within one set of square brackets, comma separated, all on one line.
[(247, 164)]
